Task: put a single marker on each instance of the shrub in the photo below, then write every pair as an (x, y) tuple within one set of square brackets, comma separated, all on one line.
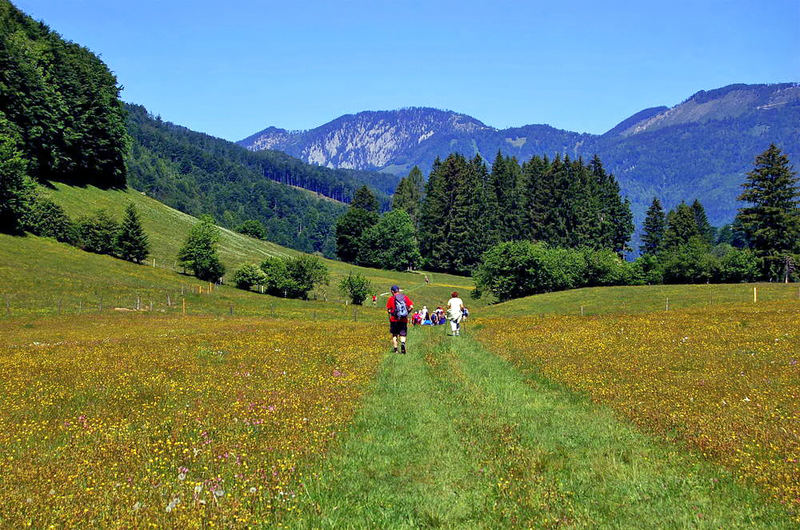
[(738, 266), (252, 228), (47, 219), (294, 277), (692, 262), (249, 275), (356, 287), (605, 267), (98, 233)]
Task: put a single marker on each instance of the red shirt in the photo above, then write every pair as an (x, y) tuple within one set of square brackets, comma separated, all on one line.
[(390, 307)]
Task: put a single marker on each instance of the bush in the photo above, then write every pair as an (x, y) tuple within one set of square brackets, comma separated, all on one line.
[(47, 219), (356, 287), (737, 266), (294, 277), (605, 267), (692, 262), (98, 233), (646, 270), (252, 228), (249, 275)]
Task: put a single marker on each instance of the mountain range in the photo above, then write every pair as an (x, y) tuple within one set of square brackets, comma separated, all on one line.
[(700, 148)]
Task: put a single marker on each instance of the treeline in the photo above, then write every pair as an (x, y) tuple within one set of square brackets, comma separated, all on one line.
[(680, 246), (199, 174), (59, 105), (97, 232), (465, 209)]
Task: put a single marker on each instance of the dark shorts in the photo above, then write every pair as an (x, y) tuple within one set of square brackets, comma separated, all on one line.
[(398, 328)]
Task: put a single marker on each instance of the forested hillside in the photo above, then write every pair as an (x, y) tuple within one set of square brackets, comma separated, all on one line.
[(59, 105), (197, 173)]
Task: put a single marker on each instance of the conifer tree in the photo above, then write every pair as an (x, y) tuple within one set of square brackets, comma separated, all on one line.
[(703, 226), (616, 218), (365, 199), (772, 220), (681, 227), (132, 242), (655, 222), (409, 193), (350, 227)]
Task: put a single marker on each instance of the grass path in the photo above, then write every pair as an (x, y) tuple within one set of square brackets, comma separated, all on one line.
[(453, 436)]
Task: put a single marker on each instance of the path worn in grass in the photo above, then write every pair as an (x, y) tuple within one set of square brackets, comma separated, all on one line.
[(453, 436)]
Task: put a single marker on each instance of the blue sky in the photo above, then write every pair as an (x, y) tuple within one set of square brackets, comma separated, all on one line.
[(232, 68)]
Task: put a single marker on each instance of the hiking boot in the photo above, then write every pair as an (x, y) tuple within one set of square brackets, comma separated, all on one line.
[(403, 348)]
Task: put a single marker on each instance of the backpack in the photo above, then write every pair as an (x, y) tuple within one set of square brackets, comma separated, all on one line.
[(400, 308)]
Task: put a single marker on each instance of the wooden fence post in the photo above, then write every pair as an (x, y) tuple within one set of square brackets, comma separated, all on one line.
[(184, 306)]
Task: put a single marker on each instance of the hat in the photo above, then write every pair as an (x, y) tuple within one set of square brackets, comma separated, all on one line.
[(395, 288)]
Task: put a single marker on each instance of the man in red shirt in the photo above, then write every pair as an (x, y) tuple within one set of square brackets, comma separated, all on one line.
[(398, 306)]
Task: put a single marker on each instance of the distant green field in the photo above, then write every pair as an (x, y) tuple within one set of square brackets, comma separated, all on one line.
[(41, 276), (641, 299)]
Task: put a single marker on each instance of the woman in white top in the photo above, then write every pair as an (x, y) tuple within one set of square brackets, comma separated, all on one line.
[(455, 311)]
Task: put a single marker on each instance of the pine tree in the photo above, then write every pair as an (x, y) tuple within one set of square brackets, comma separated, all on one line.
[(365, 199), (707, 231), (132, 241), (772, 221), (655, 223), (409, 193), (616, 217), (681, 227)]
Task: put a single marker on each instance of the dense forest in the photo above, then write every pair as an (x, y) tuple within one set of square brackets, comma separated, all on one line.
[(464, 209), (59, 105), (200, 174)]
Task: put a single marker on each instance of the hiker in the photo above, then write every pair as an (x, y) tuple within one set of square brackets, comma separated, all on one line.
[(398, 306), (425, 314), (455, 312), (427, 281), (374, 300)]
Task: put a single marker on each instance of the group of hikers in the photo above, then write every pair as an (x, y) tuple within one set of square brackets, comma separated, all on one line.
[(399, 307)]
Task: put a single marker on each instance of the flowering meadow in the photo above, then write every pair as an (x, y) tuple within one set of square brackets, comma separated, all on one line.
[(724, 379), (133, 420)]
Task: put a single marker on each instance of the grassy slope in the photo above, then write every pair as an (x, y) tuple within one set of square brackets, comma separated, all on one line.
[(453, 436), (641, 299), (36, 273)]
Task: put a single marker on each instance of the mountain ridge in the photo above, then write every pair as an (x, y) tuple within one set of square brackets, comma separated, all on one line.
[(699, 148)]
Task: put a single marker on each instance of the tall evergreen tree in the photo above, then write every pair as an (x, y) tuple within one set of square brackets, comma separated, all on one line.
[(132, 241), (707, 231), (772, 220), (365, 199), (616, 217), (351, 225), (409, 193), (655, 223), (681, 227)]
